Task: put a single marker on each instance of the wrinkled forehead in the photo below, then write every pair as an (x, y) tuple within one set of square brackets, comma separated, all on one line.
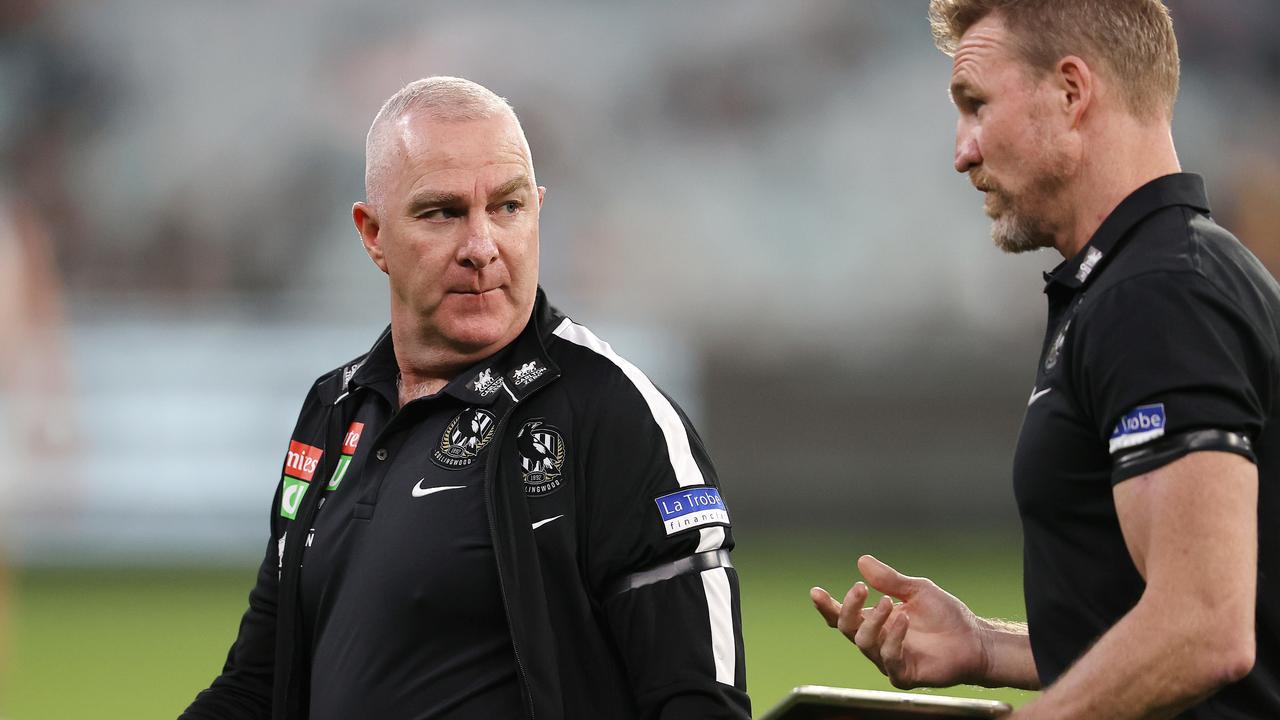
[(986, 51), (985, 41)]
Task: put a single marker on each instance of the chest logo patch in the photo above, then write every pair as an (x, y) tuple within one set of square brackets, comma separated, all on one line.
[(349, 443), (691, 508), (541, 450), (1141, 424), (299, 467), (1055, 350), (464, 437)]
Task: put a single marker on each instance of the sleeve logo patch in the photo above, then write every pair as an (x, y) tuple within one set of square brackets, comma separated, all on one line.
[(1141, 424), (692, 507)]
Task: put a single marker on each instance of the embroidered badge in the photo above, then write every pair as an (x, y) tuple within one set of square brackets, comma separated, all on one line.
[(484, 383), (691, 508), (1141, 424), (527, 373), (1055, 350), (463, 438), (541, 450)]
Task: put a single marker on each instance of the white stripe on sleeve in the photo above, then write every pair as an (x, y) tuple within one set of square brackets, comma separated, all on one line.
[(720, 609), (682, 462), (715, 583)]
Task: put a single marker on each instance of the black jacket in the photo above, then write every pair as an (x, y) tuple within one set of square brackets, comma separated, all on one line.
[(629, 609)]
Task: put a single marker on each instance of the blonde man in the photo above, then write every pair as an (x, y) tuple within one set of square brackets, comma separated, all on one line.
[(1146, 472)]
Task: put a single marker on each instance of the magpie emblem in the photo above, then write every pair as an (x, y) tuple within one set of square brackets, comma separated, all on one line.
[(463, 438), (541, 450)]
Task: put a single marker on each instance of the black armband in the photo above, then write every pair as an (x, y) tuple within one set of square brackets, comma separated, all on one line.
[(709, 560), (1161, 452)]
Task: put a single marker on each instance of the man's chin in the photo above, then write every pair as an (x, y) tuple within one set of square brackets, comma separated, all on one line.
[(1015, 238)]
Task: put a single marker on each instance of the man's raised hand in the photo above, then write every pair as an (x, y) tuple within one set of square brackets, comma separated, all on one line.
[(928, 639)]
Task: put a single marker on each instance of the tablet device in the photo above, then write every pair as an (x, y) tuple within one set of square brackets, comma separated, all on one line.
[(815, 702)]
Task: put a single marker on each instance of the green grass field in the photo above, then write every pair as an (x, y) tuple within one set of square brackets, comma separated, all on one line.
[(135, 643)]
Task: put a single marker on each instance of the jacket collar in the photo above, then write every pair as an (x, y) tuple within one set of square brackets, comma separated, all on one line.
[(518, 370), (1168, 191)]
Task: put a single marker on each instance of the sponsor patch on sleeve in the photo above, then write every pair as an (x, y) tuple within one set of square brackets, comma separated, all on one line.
[(692, 507), (1141, 424)]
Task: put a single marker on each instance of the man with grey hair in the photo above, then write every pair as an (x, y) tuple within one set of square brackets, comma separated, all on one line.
[(1147, 471), (490, 514)]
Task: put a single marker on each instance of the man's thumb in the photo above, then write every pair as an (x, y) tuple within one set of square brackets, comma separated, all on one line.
[(885, 579)]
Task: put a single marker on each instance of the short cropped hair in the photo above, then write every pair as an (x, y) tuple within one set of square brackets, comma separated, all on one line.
[(1133, 39), (440, 98)]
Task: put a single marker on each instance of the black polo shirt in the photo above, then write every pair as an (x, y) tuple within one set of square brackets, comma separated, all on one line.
[(1161, 341), (400, 595)]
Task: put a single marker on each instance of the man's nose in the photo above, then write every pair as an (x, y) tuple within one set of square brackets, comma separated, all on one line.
[(479, 248), (968, 155)]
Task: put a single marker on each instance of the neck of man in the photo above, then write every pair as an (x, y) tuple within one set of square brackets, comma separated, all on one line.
[(427, 362), (1120, 157)]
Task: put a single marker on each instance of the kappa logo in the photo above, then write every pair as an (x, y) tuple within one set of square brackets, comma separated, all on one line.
[(464, 437), (541, 449), (485, 384), (527, 373)]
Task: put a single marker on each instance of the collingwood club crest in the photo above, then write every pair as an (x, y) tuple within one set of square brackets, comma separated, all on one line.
[(463, 438), (1055, 350), (541, 451)]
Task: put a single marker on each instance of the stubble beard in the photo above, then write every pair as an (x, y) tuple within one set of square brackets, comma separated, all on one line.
[(1015, 231), (1021, 222)]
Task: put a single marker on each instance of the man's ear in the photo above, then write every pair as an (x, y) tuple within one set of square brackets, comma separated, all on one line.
[(370, 233), (542, 195), (1074, 83)]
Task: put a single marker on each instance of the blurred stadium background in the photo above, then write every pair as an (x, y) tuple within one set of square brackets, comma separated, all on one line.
[(753, 200)]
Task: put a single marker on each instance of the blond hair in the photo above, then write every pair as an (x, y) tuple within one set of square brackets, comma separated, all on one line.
[(1132, 39)]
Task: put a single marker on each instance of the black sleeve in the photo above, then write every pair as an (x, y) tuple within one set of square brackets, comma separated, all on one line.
[(243, 691), (660, 539), (1166, 365)]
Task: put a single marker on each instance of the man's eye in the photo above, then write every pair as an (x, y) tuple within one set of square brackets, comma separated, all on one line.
[(510, 207), (437, 214)]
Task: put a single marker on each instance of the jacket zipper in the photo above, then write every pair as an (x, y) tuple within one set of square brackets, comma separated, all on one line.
[(491, 473)]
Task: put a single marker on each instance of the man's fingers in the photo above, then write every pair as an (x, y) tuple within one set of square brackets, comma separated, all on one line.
[(885, 579), (891, 654), (851, 610), (825, 605), (868, 636)]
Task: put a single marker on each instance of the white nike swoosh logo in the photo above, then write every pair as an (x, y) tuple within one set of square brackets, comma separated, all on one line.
[(419, 491), (540, 523), (1037, 395)]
